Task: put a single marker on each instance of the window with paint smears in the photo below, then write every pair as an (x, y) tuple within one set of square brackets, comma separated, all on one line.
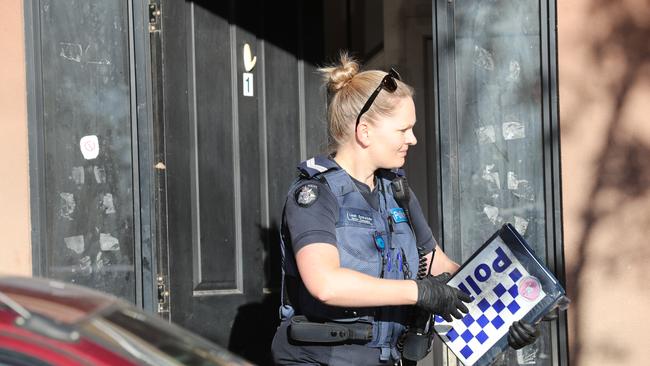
[(499, 127), (499, 111)]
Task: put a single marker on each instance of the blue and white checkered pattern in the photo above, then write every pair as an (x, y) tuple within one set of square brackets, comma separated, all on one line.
[(497, 303)]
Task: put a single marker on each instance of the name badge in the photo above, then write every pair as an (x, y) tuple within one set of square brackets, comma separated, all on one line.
[(356, 217), (398, 215)]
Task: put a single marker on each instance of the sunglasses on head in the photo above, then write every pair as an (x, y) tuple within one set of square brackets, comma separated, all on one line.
[(389, 83)]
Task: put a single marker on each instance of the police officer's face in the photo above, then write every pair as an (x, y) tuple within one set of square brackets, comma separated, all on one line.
[(392, 136)]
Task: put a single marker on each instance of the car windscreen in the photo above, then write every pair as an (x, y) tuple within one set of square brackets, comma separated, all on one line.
[(153, 341)]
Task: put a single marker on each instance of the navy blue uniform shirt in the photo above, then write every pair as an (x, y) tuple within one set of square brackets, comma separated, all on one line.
[(317, 223)]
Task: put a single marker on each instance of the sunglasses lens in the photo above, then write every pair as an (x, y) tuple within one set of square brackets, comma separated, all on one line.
[(389, 83), (392, 85)]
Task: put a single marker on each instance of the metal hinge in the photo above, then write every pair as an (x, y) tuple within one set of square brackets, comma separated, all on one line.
[(163, 296), (154, 17)]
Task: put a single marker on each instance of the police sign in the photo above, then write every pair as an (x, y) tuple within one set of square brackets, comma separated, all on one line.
[(508, 283)]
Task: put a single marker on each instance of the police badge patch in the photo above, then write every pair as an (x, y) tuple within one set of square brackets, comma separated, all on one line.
[(306, 194)]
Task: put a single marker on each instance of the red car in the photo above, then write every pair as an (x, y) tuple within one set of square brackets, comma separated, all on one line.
[(46, 322)]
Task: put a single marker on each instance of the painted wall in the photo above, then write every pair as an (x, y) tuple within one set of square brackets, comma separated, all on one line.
[(15, 247), (604, 70)]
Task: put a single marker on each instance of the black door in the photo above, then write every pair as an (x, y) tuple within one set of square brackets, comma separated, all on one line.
[(235, 126), (232, 134)]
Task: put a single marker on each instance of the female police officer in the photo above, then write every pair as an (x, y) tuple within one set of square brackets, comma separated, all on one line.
[(352, 243)]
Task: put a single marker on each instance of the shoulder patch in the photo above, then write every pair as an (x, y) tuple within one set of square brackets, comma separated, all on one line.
[(306, 194)]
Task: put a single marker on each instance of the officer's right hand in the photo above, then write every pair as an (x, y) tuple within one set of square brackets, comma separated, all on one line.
[(435, 296)]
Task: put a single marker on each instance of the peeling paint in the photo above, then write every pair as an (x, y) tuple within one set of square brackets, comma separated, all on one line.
[(67, 205), (483, 58), (527, 194), (521, 225), (101, 261), (107, 204), (75, 52), (85, 266), (78, 175), (527, 355), (100, 62), (514, 71), (492, 213), (71, 51), (107, 242), (75, 243), (513, 130), (513, 182), (520, 187), (486, 135), (100, 174), (490, 176)]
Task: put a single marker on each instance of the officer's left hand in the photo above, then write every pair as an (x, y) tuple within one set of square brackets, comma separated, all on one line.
[(522, 334)]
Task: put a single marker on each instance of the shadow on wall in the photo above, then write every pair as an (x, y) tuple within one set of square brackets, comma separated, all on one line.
[(623, 167), (255, 324)]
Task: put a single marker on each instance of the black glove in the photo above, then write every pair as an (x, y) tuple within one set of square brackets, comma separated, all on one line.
[(522, 334), (435, 296)]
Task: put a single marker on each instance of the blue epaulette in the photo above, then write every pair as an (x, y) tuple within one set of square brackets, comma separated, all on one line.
[(316, 165)]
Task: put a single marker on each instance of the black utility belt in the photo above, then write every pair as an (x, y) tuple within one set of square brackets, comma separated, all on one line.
[(303, 330)]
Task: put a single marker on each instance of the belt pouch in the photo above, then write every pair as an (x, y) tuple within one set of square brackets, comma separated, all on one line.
[(302, 330)]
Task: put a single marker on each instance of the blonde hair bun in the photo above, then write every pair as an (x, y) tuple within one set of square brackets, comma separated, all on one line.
[(337, 76)]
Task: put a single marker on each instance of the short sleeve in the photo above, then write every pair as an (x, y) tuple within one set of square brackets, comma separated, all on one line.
[(423, 235), (311, 219)]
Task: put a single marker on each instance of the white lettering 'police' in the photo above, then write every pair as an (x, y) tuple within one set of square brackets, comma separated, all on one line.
[(482, 272)]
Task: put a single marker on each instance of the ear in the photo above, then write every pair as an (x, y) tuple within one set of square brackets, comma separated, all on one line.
[(363, 133)]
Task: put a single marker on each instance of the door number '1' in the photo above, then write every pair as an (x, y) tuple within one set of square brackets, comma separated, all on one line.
[(249, 64), (248, 84)]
